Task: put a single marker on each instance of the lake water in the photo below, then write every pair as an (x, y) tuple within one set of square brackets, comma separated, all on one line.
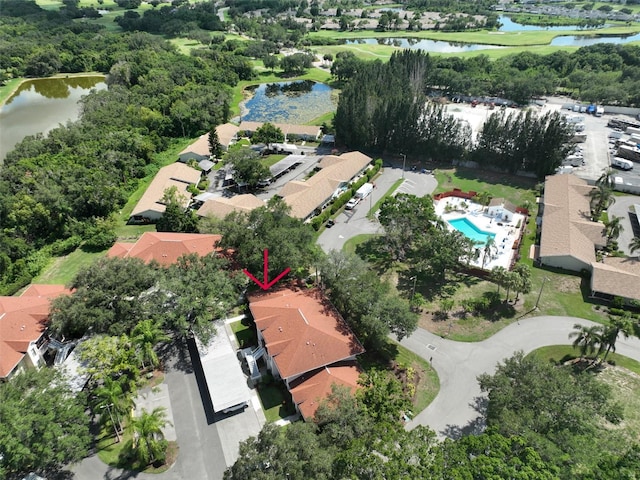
[(288, 102), (584, 41), (41, 105), (423, 44), (509, 25)]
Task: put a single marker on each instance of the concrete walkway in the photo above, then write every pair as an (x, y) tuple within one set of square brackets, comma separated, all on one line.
[(459, 407)]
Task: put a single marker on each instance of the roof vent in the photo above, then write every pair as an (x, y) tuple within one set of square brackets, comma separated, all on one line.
[(24, 326), (280, 329), (307, 342)]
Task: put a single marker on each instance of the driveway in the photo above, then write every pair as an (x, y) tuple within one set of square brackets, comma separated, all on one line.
[(354, 222), (201, 453), (620, 208), (460, 406)]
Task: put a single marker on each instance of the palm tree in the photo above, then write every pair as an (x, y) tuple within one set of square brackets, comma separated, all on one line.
[(601, 199), (498, 276), (522, 281), (617, 325), (489, 247), (587, 339), (634, 245), (145, 336), (148, 443), (113, 397), (612, 229), (606, 178)]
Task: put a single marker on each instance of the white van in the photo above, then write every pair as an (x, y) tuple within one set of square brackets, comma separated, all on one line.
[(622, 163)]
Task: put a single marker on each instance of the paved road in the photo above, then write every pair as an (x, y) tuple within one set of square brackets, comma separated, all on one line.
[(354, 222), (201, 454), (459, 407)]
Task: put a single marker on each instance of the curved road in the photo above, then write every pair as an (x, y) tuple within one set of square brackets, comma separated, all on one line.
[(459, 406)]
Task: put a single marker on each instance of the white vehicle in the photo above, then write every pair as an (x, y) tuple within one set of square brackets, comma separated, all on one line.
[(632, 130), (364, 191), (621, 163), (599, 111), (617, 135), (351, 204)]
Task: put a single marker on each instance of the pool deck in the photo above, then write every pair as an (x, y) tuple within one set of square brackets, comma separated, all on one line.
[(506, 233)]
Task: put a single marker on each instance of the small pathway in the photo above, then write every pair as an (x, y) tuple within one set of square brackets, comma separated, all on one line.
[(459, 407)]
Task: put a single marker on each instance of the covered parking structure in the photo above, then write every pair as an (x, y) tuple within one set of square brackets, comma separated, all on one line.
[(285, 165)]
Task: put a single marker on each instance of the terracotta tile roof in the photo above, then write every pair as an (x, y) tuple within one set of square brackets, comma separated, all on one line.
[(199, 147), (617, 276), (22, 321), (178, 175), (305, 197), (220, 207), (287, 128), (566, 226), (310, 389), (302, 330), (226, 133), (165, 248)]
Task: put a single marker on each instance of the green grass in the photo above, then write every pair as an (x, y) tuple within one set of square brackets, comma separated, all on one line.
[(271, 160), (351, 244), (245, 333), (276, 401), (517, 190), (565, 353), (326, 118), (392, 189), (8, 88), (61, 270)]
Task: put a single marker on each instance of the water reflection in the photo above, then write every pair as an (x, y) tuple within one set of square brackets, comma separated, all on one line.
[(288, 102), (585, 41), (423, 44), (509, 25), (55, 88)]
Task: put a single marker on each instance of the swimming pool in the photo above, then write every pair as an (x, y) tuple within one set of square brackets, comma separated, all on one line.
[(469, 230)]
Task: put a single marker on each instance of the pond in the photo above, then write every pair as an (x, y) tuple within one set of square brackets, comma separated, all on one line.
[(41, 105), (296, 102), (423, 44), (509, 25), (585, 41)]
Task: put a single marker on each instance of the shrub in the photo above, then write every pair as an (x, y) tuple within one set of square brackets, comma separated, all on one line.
[(203, 184)]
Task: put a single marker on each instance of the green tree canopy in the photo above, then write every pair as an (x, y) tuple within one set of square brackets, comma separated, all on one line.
[(248, 170), (44, 426), (267, 133)]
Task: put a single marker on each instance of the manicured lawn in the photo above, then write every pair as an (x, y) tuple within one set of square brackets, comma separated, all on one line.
[(513, 188), (351, 244), (392, 189), (326, 118), (564, 353), (62, 270), (8, 88), (245, 333), (276, 401), (270, 160)]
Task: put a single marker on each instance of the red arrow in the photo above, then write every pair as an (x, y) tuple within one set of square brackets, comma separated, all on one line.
[(266, 285)]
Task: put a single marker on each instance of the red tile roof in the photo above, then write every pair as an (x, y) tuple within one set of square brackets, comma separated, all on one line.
[(309, 390), (302, 330), (164, 247), (22, 321)]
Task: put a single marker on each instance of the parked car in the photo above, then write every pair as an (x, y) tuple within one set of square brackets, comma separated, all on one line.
[(351, 204), (330, 223)]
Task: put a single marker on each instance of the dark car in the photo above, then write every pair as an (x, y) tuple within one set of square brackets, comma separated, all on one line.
[(330, 223)]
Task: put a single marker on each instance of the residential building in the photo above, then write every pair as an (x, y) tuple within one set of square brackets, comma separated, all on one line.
[(198, 150), (165, 247), (309, 197), (308, 344), (150, 207), (220, 207), (501, 209), (569, 239), (568, 235), (227, 134), (304, 132), (23, 324)]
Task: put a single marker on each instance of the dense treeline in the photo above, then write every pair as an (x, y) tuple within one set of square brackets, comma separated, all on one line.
[(384, 107), (59, 191), (545, 422), (603, 73)]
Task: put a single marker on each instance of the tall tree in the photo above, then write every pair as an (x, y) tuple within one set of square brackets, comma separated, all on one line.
[(248, 170), (601, 199), (522, 284), (617, 326), (145, 336), (44, 426), (112, 402), (148, 443), (267, 133), (498, 276), (612, 229), (587, 338), (176, 217), (215, 147)]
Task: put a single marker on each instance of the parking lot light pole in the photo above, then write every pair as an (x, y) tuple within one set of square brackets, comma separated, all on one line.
[(115, 427), (544, 279), (404, 161)]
